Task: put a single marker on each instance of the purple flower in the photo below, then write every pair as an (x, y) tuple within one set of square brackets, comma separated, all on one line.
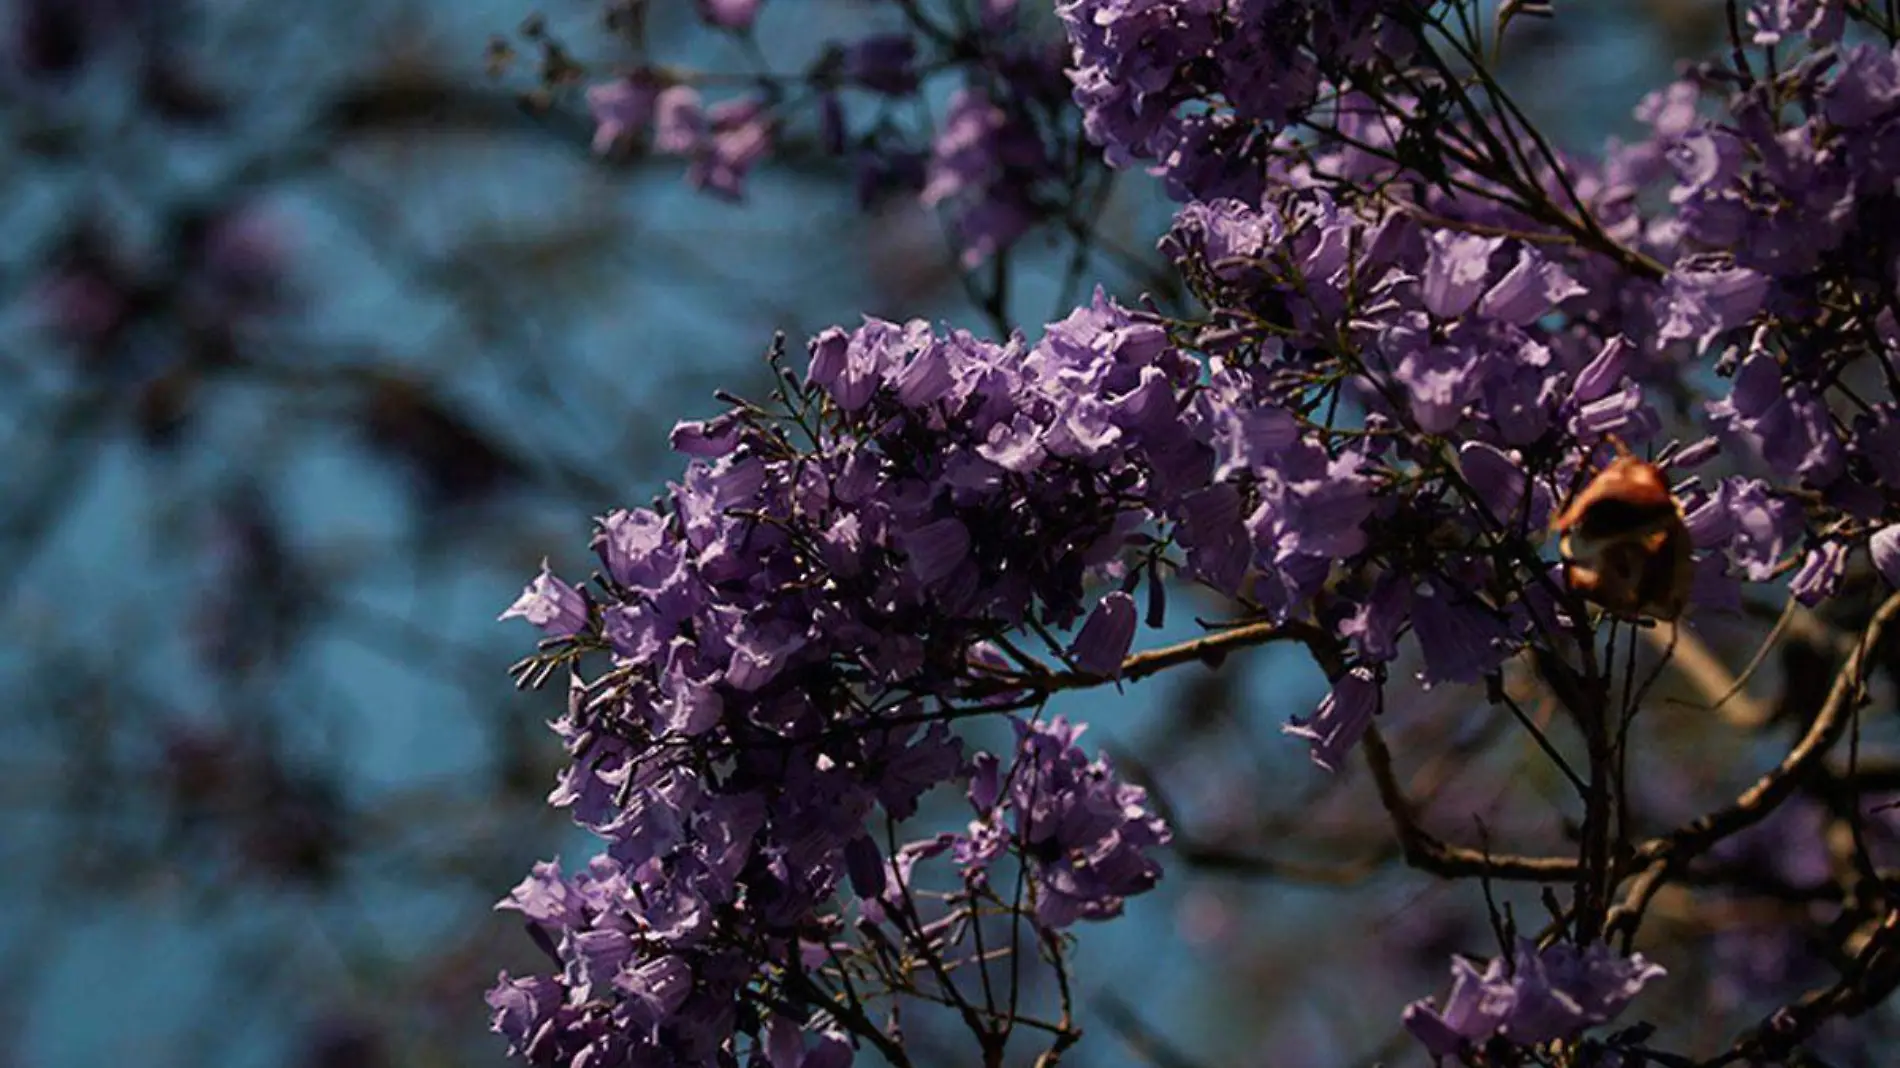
[(1707, 164), (1764, 527), (523, 1008), (1556, 992), (551, 604), (654, 990), (1498, 479), (1786, 422), (1456, 272), (1104, 640), (1442, 380), (1701, 302), (824, 590), (1341, 718), (546, 898), (1145, 73), (1562, 990), (991, 225), (1477, 1007), (785, 1047), (984, 160), (741, 135), (710, 438), (1601, 376), (1377, 620), (622, 109), (1671, 110), (851, 366), (937, 549), (1529, 290), (1885, 548), (1319, 507), (679, 120), (1774, 21), (1463, 641), (1820, 574), (1867, 87)]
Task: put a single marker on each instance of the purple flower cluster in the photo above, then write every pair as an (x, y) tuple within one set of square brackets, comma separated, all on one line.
[(1774, 212), (820, 586), (987, 161), (1427, 334), (1084, 835), (784, 624), (721, 142), (1202, 87), (1537, 996), (1447, 330), (1417, 351), (635, 974)]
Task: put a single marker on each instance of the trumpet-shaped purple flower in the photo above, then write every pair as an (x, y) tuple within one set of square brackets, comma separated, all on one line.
[(1540, 995), (1701, 302), (551, 604), (1104, 640), (1457, 271), (1790, 427), (1463, 640), (1341, 718)]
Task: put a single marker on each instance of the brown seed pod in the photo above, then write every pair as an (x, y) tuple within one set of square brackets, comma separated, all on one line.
[(1624, 544)]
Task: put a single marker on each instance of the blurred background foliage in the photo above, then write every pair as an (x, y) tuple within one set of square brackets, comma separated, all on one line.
[(323, 323)]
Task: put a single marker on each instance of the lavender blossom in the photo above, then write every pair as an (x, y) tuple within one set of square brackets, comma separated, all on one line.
[(1341, 719), (1086, 836), (622, 109), (1105, 638), (551, 604), (1885, 549), (1540, 995)]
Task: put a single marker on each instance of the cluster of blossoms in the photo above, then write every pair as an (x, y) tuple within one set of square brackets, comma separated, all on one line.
[(721, 143), (1202, 88), (1409, 365), (821, 585), (785, 625), (1434, 337), (987, 164), (1538, 996)]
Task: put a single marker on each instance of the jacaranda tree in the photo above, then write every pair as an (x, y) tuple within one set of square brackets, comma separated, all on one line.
[(1443, 406)]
